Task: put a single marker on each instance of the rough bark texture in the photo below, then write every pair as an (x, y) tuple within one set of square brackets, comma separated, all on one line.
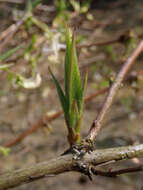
[(66, 163)]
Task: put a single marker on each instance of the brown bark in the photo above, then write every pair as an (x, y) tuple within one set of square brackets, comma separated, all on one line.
[(66, 163)]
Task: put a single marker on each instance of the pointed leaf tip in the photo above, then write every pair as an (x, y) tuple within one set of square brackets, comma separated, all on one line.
[(60, 94)]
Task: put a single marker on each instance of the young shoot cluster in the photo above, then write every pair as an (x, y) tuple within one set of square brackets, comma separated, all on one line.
[(72, 98)]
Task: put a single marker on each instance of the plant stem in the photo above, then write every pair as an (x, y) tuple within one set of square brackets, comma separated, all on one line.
[(98, 122)]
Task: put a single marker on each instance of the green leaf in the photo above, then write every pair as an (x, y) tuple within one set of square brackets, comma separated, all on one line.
[(80, 102), (31, 46), (76, 5), (72, 78), (74, 114), (81, 97), (75, 73), (9, 53), (72, 101), (67, 65), (4, 150), (105, 83), (61, 95), (35, 3), (29, 6), (10, 77)]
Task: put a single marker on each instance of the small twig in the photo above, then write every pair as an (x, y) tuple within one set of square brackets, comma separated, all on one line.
[(34, 128), (98, 122), (45, 119), (99, 92), (7, 31), (12, 30), (120, 39), (116, 173)]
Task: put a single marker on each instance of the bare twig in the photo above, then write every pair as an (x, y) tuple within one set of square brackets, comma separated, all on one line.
[(99, 92), (34, 128), (7, 31), (116, 173), (98, 122), (98, 43), (11, 31)]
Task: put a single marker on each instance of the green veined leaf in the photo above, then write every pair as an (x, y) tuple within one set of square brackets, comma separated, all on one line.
[(31, 46), (9, 53), (61, 95)]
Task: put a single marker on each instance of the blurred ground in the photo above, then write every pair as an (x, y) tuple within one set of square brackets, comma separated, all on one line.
[(21, 108)]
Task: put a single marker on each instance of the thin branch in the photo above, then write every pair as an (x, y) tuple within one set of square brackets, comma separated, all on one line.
[(99, 92), (66, 163), (120, 39), (11, 31), (116, 173), (98, 43), (98, 122), (34, 128)]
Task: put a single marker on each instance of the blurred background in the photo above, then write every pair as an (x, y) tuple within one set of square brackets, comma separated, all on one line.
[(32, 37)]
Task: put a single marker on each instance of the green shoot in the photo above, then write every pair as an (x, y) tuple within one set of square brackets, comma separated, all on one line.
[(4, 151), (9, 53), (72, 100)]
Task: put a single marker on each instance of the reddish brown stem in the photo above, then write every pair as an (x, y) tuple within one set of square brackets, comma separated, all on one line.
[(98, 122), (34, 128), (98, 43), (99, 92), (116, 173)]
